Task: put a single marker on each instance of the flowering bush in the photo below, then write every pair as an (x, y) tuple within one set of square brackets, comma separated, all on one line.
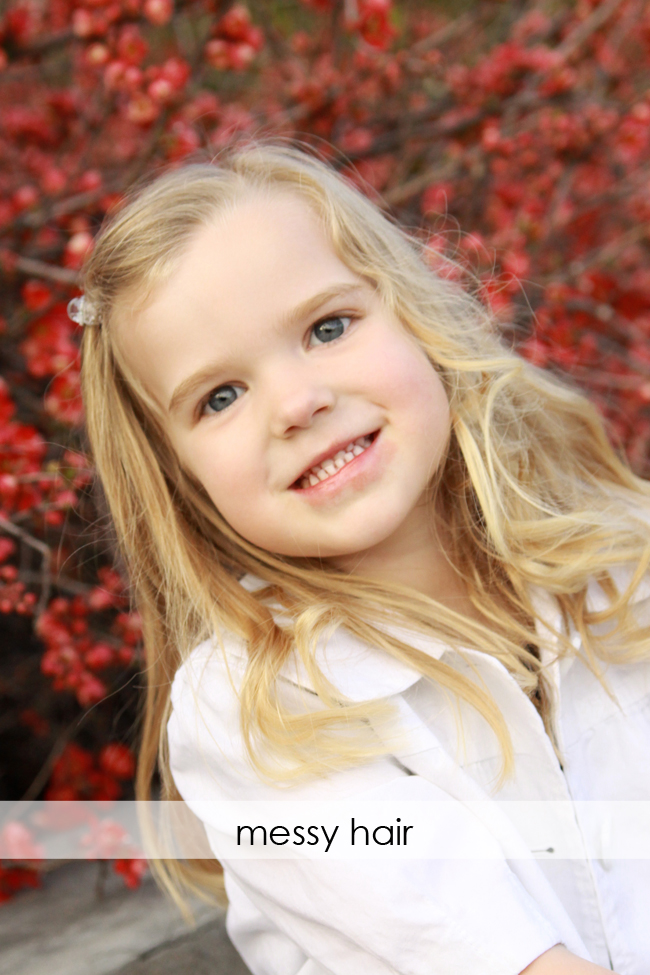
[(527, 125)]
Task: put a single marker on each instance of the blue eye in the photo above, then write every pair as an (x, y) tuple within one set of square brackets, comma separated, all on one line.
[(222, 397), (329, 329)]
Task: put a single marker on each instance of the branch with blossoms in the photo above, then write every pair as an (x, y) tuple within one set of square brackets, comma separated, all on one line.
[(101, 839)]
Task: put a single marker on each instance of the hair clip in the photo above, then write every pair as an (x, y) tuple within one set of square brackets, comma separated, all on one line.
[(81, 311)]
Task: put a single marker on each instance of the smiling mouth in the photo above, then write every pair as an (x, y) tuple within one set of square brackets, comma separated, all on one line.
[(332, 465)]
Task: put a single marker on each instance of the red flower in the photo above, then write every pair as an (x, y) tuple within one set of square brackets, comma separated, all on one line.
[(117, 760), (131, 870)]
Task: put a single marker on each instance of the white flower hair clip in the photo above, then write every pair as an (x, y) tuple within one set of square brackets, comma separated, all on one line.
[(81, 311)]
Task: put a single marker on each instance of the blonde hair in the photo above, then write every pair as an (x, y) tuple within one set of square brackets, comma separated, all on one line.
[(532, 492)]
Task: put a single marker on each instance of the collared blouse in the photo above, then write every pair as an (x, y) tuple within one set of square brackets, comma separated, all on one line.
[(435, 916)]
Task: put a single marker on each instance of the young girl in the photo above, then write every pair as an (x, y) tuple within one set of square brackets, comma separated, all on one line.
[(378, 556)]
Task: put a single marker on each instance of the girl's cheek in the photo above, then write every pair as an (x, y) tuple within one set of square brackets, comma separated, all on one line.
[(408, 378), (243, 460)]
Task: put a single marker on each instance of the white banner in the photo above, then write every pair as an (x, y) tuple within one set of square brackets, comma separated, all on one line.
[(334, 830)]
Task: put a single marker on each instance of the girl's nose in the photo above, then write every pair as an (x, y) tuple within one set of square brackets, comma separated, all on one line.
[(296, 404)]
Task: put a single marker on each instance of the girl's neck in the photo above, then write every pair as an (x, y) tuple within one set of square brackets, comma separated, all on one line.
[(415, 557)]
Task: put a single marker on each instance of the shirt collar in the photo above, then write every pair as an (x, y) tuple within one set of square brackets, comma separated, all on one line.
[(358, 671), (361, 672), (549, 615)]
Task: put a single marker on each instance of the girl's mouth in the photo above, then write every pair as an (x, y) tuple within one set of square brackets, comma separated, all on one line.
[(330, 467)]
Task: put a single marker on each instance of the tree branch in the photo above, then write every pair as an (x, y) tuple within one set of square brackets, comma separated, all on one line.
[(596, 20), (46, 553), (39, 269)]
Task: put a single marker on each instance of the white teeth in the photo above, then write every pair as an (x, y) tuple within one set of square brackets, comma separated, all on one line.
[(333, 464)]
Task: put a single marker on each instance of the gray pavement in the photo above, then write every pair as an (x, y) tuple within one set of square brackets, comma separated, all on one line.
[(207, 951), (64, 929)]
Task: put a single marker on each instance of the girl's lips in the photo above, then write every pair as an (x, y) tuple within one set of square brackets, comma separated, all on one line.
[(330, 455), (357, 471)]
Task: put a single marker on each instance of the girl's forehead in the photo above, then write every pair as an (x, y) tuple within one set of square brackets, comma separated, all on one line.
[(266, 210), (264, 229), (265, 247), (267, 235), (263, 233)]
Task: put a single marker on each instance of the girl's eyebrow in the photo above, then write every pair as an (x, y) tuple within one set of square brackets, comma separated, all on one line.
[(304, 310)]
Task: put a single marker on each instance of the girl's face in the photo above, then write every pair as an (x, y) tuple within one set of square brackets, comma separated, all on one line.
[(311, 417)]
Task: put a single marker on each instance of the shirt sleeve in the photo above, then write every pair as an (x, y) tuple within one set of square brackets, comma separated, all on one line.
[(381, 917)]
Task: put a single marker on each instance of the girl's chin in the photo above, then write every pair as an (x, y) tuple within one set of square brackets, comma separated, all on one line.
[(342, 549)]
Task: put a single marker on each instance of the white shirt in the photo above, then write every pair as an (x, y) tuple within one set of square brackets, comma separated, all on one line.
[(432, 917)]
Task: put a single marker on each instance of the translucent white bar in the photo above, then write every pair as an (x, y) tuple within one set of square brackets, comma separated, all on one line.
[(332, 830)]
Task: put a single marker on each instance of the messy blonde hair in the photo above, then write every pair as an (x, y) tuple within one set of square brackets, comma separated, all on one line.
[(530, 488)]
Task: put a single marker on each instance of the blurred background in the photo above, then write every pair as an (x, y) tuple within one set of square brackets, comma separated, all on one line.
[(512, 137)]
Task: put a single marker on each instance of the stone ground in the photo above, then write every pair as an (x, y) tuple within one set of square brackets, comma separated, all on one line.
[(65, 929)]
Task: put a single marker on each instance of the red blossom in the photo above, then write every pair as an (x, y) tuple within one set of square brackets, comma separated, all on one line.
[(117, 760), (36, 295), (17, 843), (373, 22), (15, 878), (131, 870), (236, 40), (49, 346), (78, 774), (131, 45), (77, 249), (106, 840), (63, 398), (159, 12)]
